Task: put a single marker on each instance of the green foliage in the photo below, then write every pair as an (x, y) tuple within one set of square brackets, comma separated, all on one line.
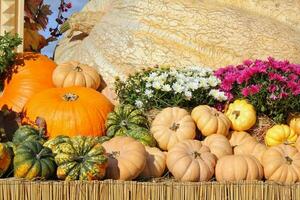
[(8, 44)]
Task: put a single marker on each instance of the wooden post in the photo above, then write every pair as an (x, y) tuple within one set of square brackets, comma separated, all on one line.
[(12, 18)]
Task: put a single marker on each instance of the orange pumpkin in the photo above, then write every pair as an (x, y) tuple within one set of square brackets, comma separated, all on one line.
[(70, 111), (30, 74)]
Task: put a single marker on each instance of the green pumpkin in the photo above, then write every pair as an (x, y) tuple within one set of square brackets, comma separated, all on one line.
[(28, 133), (81, 158), (102, 139), (6, 157), (140, 134), (123, 118), (54, 143), (33, 161)]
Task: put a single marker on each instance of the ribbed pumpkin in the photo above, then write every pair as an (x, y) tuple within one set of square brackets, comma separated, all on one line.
[(253, 148), (126, 120), (155, 163), (54, 143), (189, 160), (280, 134), (80, 158), (238, 167), (30, 74), (282, 164), (70, 111), (210, 121), (125, 36), (218, 145), (123, 118), (295, 124), (172, 125), (240, 137), (126, 158), (28, 133), (33, 161), (5, 158), (76, 74), (297, 144), (241, 114)]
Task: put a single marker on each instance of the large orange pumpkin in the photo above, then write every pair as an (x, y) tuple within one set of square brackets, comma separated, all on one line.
[(30, 74), (70, 111)]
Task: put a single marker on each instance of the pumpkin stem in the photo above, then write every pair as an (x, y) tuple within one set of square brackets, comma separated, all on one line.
[(215, 113), (79, 159), (42, 154), (77, 69), (196, 154), (236, 113), (114, 154), (124, 123), (70, 97), (175, 126), (288, 160)]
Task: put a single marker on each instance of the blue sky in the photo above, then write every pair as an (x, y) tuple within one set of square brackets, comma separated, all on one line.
[(77, 6)]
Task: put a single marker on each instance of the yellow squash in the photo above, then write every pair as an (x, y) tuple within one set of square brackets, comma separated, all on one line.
[(241, 114), (295, 124), (280, 134)]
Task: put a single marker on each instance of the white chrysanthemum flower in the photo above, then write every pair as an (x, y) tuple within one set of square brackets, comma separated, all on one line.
[(213, 81), (152, 76), (149, 93), (203, 83), (193, 85), (148, 85), (139, 103), (188, 94), (222, 96), (173, 72), (166, 88), (218, 95), (178, 88), (180, 76), (157, 85), (137, 90)]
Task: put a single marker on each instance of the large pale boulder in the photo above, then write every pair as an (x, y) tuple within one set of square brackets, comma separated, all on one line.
[(119, 37)]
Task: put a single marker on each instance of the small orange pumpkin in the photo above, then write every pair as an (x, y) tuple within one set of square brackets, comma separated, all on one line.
[(155, 163), (189, 160), (210, 121), (30, 74), (70, 111), (76, 74), (218, 145), (126, 158), (240, 137), (172, 125), (238, 167)]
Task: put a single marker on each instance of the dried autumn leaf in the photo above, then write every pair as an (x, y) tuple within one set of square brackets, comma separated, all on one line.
[(33, 41)]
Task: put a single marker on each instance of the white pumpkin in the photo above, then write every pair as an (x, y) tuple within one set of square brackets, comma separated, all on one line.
[(122, 36)]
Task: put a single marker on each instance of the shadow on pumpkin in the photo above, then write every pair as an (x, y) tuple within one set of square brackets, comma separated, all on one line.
[(19, 62)]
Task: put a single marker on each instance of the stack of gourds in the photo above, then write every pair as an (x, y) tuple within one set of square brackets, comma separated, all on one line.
[(80, 135)]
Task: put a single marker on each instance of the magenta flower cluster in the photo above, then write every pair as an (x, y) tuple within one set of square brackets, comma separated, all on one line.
[(279, 78), (272, 86)]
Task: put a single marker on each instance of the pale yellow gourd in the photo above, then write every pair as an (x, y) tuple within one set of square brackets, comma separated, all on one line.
[(172, 125), (218, 145), (119, 37), (281, 164)]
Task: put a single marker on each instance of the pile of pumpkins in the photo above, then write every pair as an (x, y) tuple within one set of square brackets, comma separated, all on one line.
[(86, 138)]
